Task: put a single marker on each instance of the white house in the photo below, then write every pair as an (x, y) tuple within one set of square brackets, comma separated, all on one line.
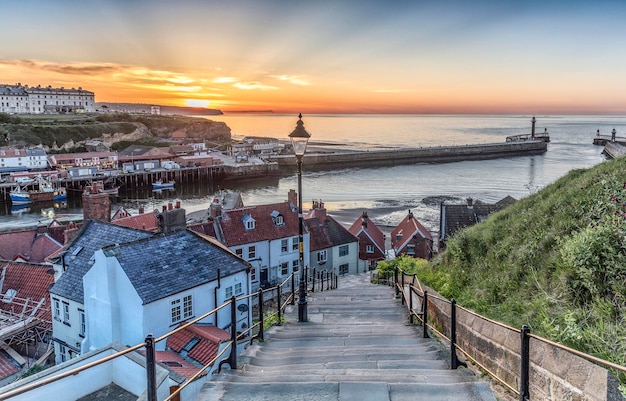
[(117, 284), (158, 282), (267, 236), (31, 159)]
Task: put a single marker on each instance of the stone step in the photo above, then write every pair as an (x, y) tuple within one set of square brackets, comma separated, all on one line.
[(407, 364), (320, 359), (345, 391)]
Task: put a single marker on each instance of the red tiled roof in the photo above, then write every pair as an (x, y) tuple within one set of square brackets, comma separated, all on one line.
[(29, 244), (318, 234), (7, 365), (233, 229), (371, 230), (176, 363), (32, 282), (144, 221), (408, 227), (209, 338), (206, 228)]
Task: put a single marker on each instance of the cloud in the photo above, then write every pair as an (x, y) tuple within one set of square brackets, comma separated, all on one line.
[(253, 85), (66, 69), (292, 79)]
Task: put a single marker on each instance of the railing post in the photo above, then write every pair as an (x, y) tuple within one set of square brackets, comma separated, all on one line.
[(402, 289), (395, 279), (232, 358), (280, 309), (454, 360), (261, 333), (313, 281), (425, 315), (411, 305), (293, 289), (524, 393), (151, 369), (322, 274)]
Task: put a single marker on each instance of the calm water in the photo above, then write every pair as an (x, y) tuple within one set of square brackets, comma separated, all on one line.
[(388, 192)]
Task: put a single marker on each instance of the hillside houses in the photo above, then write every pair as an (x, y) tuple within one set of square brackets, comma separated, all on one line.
[(371, 241), (411, 238)]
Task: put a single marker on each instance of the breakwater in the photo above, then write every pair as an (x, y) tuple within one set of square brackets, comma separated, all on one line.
[(435, 154)]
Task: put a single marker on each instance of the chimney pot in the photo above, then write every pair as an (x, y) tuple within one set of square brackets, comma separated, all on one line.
[(170, 206), (178, 204), (164, 208)]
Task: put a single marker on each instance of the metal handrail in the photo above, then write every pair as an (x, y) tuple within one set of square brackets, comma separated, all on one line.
[(524, 332), (31, 386)]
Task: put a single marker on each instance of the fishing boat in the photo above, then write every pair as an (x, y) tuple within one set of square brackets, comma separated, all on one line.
[(44, 193), (162, 185)]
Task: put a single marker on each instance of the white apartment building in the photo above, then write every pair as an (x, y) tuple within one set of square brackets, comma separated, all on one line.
[(24, 99)]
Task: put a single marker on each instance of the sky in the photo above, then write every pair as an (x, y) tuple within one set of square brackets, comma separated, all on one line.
[(326, 56)]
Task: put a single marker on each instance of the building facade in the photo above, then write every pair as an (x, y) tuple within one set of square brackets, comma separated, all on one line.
[(23, 99)]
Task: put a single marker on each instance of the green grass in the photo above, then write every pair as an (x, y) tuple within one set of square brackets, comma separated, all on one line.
[(555, 261), (57, 130)]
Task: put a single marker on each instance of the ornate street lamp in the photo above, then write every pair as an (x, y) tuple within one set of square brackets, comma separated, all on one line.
[(299, 140)]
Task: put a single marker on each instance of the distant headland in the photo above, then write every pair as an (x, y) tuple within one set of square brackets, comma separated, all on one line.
[(146, 108)]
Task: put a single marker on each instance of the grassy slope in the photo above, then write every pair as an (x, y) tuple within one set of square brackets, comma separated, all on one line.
[(555, 260)]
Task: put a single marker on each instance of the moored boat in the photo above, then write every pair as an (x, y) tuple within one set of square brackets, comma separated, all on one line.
[(44, 193), (162, 185)]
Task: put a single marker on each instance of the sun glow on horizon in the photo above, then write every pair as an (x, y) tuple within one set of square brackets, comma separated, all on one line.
[(197, 103)]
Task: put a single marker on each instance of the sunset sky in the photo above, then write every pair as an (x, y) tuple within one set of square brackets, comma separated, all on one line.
[(326, 56)]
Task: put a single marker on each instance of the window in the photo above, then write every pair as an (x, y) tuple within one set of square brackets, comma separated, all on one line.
[(251, 252), (284, 245), (238, 289), (66, 312), (228, 293), (181, 308), (175, 304), (321, 257), (295, 242), (253, 273), (343, 250), (187, 307), (83, 324), (410, 249), (277, 218), (343, 269), (248, 222), (295, 265), (239, 252), (369, 248), (63, 352), (57, 309), (284, 268)]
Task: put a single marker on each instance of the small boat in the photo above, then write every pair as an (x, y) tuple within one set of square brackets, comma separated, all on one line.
[(162, 185), (46, 192)]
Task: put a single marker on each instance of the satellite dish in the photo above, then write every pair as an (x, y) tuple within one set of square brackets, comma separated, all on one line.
[(242, 308)]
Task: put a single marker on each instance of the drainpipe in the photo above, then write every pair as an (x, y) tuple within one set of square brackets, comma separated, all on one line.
[(219, 285)]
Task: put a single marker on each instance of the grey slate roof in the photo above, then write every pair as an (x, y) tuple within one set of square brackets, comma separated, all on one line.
[(456, 217), (93, 236), (165, 265)]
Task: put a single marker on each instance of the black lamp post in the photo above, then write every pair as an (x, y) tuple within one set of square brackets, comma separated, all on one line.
[(299, 140)]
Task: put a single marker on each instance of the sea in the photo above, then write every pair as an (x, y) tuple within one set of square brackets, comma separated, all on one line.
[(386, 193)]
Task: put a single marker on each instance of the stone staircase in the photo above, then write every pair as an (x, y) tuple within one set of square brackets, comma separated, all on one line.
[(357, 345)]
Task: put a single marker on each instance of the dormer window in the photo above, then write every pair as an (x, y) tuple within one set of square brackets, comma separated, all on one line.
[(277, 218), (9, 296), (248, 222)]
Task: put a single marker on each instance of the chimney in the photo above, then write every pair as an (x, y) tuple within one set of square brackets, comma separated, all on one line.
[(96, 206), (215, 210), (470, 203), (178, 204), (170, 206), (364, 219), (292, 198), (410, 216), (141, 210)]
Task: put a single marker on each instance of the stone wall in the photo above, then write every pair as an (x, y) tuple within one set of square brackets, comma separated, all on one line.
[(555, 374)]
